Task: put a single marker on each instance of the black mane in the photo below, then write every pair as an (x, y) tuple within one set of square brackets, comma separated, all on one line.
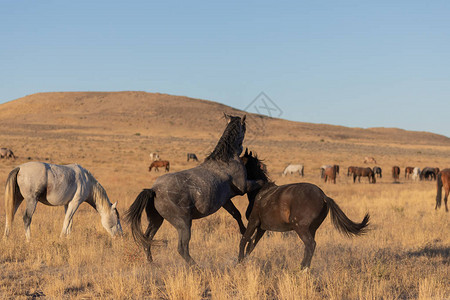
[(225, 147)]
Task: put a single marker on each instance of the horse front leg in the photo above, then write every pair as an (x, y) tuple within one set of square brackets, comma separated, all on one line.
[(183, 227), (70, 209), (232, 210), (246, 238)]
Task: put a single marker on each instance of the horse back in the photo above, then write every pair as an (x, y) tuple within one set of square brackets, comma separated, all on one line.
[(52, 184), (279, 207)]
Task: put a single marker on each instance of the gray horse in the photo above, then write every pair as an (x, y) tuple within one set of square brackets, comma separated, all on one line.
[(194, 193), (6, 153), (55, 185)]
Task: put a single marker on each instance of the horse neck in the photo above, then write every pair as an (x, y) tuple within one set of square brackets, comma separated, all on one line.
[(100, 198)]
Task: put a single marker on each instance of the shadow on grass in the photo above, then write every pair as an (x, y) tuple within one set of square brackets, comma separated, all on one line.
[(431, 251)]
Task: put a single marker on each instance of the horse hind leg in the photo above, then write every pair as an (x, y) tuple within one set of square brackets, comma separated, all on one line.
[(29, 211), (155, 221), (310, 245)]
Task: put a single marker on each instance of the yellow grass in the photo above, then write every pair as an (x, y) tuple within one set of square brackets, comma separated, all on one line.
[(405, 255)]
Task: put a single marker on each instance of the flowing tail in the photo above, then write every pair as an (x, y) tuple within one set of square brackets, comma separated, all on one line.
[(145, 200), (439, 191), (343, 223), (13, 198)]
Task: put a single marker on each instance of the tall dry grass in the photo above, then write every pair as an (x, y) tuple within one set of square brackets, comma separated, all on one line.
[(405, 254)]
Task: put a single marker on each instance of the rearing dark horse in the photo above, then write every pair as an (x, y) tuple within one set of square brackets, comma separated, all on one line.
[(194, 193)]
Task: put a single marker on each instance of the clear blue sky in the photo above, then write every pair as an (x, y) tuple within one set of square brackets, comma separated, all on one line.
[(353, 63)]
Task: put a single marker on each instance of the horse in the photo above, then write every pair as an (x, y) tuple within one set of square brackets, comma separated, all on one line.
[(443, 180), (323, 167), (192, 156), (358, 172), (408, 172), (350, 170), (377, 171), (154, 156), (6, 153), (195, 193), (293, 169), (395, 172), (369, 160), (330, 173), (55, 185), (429, 173), (159, 163), (416, 174), (301, 207)]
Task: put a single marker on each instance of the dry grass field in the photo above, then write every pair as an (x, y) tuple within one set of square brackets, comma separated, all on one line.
[(405, 255)]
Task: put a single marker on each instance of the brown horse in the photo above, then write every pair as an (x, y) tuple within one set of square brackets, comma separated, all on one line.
[(330, 173), (358, 172), (159, 163), (408, 172), (350, 170), (443, 180), (301, 207), (395, 172)]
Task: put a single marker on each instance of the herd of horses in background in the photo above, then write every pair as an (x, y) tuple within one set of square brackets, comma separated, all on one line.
[(183, 196)]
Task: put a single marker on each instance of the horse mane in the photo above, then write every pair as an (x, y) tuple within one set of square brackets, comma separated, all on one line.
[(224, 149), (99, 195), (257, 171)]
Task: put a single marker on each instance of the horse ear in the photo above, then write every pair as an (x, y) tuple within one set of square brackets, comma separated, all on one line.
[(227, 117), (114, 205), (246, 152), (243, 119), (251, 153)]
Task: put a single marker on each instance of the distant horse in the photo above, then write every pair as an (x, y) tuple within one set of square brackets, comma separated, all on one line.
[(369, 160), (330, 173), (56, 185), (443, 180), (416, 174), (377, 171), (154, 156), (408, 172), (290, 169), (358, 172), (395, 172), (195, 193), (350, 170), (158, 164), (301, 207), (192, 156), (6, 153), (429, 173), (324, 167)]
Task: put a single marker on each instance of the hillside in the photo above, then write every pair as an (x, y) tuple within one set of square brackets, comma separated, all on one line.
[(154, 114)]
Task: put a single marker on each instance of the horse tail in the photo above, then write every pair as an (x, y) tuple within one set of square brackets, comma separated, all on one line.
[(145, 200), (13, 198), (343, 223), (439, 191)]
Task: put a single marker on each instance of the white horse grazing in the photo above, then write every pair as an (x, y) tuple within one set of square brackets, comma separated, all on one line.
[(154, 156), (55, 185), (293, 169), (416, 174)]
